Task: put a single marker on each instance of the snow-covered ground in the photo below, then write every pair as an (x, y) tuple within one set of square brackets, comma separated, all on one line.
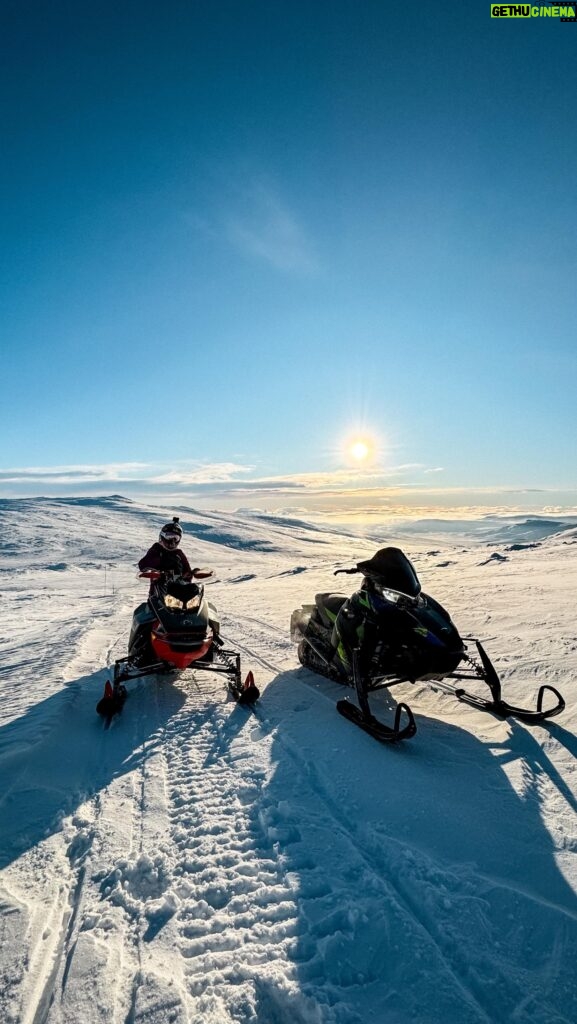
[(205, 863)]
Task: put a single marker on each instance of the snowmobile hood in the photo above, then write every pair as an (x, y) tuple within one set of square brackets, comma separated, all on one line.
[(392, 569)]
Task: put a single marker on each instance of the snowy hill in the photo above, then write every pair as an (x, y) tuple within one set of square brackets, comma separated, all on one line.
[(204, 863)]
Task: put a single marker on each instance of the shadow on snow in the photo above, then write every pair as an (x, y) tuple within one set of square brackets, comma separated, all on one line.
[(423, 874), (427, 875), (58, 754)]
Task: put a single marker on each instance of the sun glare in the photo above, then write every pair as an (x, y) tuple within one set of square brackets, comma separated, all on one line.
[(361, 450), (358, 449)]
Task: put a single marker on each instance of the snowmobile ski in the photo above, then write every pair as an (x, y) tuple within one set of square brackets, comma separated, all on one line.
[(223, 662), (370, 724), (247, 693), (363, 717), (244, 692), (500, 707), (112, 702)]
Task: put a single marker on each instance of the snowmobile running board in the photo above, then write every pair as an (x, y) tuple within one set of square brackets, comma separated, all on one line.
[(497, 705), (363, 717)]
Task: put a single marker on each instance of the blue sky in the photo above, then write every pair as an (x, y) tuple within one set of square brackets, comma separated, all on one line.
[(236, 236)]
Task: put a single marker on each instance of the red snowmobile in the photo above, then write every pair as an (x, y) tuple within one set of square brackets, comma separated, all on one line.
[(176, 628)]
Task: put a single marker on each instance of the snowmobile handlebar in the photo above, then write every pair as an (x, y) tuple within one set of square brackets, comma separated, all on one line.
[(157, 574), (347, 572)]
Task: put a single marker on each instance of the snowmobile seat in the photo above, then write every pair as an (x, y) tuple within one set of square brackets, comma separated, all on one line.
[(328, 607)]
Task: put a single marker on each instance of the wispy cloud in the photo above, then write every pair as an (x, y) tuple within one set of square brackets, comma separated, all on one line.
[(342, 478), (260, 224), (131, 473), (219, 476), (218, 472), (188, 474), (109, 472)]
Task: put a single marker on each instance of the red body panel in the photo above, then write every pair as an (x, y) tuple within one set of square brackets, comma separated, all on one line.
[(180, 659)]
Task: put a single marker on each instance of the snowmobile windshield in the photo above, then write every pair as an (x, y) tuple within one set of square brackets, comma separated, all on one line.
[(391, 569)]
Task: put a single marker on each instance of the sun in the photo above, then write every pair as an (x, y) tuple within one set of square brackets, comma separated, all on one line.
[(360, 449)]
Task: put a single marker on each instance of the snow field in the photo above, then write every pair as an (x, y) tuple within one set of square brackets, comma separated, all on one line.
[(203, 862)]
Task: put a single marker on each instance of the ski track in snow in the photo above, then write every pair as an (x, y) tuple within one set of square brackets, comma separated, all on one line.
[(203, 862)]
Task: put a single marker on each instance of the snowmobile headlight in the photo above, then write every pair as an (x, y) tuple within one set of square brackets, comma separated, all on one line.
[(193, 604), (396, 597), (173, 602)]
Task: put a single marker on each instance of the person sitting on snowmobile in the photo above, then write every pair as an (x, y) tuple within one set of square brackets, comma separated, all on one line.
[(164, 554)]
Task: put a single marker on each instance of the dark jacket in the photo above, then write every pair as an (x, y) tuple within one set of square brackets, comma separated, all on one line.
[(158, 557)]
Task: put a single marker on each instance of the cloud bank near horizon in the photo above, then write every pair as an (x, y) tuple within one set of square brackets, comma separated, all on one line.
[(399, 489), (203, 475)]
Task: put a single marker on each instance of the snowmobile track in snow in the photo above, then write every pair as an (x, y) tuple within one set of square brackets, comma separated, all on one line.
[(387, 867)]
